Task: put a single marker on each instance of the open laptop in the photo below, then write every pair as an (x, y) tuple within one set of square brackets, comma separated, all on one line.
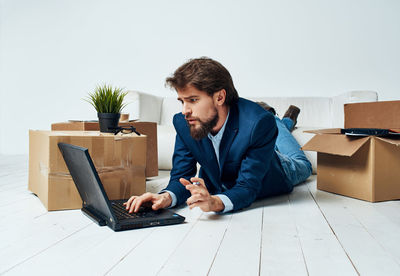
[(96, 204)]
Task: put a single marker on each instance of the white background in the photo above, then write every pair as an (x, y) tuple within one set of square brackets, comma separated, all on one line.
[(53, 52)]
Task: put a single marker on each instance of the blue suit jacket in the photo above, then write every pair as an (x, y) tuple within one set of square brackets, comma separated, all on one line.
[(249, 166)]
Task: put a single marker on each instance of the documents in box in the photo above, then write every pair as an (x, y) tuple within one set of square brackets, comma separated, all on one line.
[(147, 128), (361, 167), (119, 160)]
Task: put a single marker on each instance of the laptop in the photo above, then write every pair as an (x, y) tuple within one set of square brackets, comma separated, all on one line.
[(96, 204)]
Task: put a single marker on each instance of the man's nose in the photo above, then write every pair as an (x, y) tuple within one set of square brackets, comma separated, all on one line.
[(186, 109)]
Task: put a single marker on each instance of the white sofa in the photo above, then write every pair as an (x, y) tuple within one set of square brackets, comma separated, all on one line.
[(316, 113)]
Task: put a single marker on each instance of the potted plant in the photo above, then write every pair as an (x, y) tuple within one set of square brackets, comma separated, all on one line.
[(108, 102)]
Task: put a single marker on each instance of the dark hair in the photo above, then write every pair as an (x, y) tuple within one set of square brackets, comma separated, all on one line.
[(206, 75)]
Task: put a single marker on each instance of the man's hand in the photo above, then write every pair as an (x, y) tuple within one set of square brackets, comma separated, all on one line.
[(201, 197), (158, 201)]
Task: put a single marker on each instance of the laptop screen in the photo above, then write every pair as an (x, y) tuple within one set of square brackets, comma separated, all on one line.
[(86, 179)]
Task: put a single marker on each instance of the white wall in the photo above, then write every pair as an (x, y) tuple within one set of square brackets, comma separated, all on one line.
[(53, 52)]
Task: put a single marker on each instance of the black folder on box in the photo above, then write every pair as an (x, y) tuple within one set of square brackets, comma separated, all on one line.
[(370, 132)]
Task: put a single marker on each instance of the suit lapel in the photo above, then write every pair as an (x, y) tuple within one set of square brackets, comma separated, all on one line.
[(207, 151), (210, 162), (230, 132)]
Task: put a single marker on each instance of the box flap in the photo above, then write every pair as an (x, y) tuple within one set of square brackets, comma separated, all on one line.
[(394, 141), (324, 131), (372, 115), (335, 144)]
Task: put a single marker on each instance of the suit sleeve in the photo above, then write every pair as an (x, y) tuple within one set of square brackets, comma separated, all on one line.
[(255, 164), (183, 165)]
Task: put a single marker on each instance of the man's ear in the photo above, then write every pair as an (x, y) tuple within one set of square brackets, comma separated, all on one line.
[(220, 97)]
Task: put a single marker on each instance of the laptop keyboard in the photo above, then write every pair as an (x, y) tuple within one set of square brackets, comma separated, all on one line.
[(121, 212)]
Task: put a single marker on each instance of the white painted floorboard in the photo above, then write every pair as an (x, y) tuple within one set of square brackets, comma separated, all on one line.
[(308, 232), (370, 239)]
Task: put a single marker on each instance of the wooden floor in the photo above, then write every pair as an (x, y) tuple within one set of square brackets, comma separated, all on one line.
[(308, 232)]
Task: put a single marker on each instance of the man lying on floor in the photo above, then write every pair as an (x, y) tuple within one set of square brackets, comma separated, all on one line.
[(245, 151)]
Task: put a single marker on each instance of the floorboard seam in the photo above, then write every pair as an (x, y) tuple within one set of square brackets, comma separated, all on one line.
[(333, 231), (377, 241), (298, 236), (261, 241), (129, 252), (216, 253), (176, 248)]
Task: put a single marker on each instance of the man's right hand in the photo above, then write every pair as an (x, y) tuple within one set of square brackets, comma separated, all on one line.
[(158, 201)]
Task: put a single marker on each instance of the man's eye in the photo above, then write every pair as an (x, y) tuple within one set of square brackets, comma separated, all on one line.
[(193, 100)]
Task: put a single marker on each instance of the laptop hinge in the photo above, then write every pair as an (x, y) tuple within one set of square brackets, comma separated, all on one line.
[(93, 217)]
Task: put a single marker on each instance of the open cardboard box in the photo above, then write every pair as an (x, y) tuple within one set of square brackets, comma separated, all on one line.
[(366, 168)]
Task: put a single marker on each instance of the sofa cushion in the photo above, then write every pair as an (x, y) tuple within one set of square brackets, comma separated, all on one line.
[(169, 108), (166, 143)]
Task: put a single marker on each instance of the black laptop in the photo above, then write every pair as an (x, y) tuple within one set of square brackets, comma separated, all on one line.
[(96, 204)]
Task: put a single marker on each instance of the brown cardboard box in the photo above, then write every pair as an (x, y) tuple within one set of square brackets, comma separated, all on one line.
[(146, 128), (119, 160), (366, 168), (372, 115)]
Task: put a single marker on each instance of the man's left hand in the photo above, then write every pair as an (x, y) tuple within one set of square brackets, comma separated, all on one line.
[(201, 197)]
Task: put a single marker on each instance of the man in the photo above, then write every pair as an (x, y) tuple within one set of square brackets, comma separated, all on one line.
[(234, 140)]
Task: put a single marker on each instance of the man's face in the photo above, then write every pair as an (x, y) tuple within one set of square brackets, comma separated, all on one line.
[(199, 110)]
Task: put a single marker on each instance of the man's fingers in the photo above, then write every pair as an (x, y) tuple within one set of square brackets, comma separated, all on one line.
[(198, 181), (129, 202), (201, 204), (192, 188), (157, 204), (144, 198), (194, 199), (184, 182), (138, 201), (133, 204)]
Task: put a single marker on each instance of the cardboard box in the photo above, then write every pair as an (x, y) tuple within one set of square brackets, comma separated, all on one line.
[(384, 115), (146, 128), (119, 160), (366, 168)]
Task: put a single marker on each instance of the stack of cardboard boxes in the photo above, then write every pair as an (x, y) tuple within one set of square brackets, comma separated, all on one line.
[(364, 167), (122, 161)]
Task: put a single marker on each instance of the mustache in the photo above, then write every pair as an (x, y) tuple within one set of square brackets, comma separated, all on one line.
[(191, 118)]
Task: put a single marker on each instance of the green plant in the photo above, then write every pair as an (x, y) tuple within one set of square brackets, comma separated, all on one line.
[(107, 99)]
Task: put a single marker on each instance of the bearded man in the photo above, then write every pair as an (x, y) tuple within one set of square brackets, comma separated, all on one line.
[(245, 152)]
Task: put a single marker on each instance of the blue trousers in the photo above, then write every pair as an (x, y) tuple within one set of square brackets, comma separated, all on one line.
[(295, 164)]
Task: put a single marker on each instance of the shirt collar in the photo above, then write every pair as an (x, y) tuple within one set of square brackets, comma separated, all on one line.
[(219, 134)]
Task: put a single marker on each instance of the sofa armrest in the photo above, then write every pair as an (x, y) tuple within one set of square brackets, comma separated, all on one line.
[(143, 106), (337, 104)]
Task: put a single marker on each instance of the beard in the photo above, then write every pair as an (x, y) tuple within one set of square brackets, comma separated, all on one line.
[(199, 132)]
